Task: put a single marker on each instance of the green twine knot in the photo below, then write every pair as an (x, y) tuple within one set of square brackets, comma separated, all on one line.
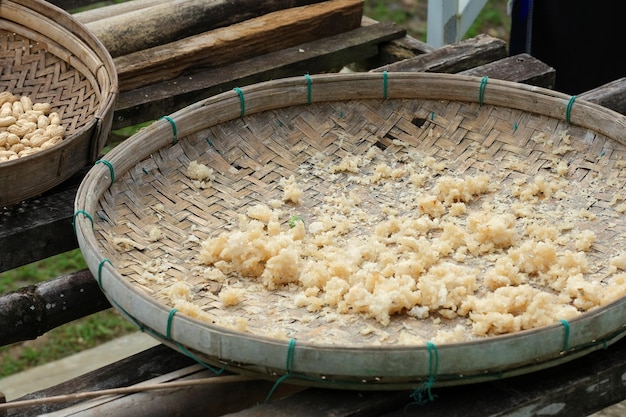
[(423, 394), (288, 367)]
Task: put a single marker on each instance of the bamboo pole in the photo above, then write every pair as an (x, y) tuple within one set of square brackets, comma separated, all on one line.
[(228, 379)]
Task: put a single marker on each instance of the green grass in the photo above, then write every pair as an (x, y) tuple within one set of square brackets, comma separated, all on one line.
[(65, 340), (41, 271)]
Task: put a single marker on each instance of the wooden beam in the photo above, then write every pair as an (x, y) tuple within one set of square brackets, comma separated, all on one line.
[(454, 58), (253, 37), (134, 369), (31, 311), (319, 56), (132, 26), (521, 68), (611, 95), (42, 226), (574, 389)]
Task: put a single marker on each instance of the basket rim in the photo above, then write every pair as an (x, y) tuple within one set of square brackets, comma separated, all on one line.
[(321, 88), (73, 43)]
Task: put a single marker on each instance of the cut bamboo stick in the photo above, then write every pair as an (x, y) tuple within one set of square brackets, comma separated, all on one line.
[(229, 379)]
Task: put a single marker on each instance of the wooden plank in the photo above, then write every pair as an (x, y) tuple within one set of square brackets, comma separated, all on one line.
[(611, 95), (134, 369), (392, 51), (31, 311), (166, 21), (575, 389), (454, 58), (317, 402), (325, 55), (203, 394), (253, 37), (42, 226), (521, 68)]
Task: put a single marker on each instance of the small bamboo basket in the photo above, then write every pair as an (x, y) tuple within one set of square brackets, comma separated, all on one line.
[(256, 136), (50, 57)]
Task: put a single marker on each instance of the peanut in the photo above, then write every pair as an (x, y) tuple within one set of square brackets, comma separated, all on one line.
[(27, 151), (17, 108), (7, 97), (54, 130), (51, 142), (37, 131), (46, 108), (12, 139), (17, 148), (6, 154), (55, 119), (31, 116), (43, 121), (27, 103), (7, 121), (37, 140), (27, 127), (6, 109), (22, 127)]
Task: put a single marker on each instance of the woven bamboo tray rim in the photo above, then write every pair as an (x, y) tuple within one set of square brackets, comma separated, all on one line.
[(55, 59), (376, 367)]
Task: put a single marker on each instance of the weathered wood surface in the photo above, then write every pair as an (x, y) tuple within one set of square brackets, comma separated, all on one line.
[(253, 37), (610, 95), (40, 227), (133, 26), (571, 390), (389, 52), (574, 389), (454, 58), (159, 360), (32, 311), (196, 392), (520, 68), (328, 55), (49, 217)]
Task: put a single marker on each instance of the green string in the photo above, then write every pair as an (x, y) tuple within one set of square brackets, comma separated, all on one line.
[(100, 265), (385, 85), (111, 170), (309, 88), (187, 353), (242, 101), (481, 93), (567, 333), (433, 367), (288, 367), (174, 128), (568, 110), (84, 213), (170, 318)]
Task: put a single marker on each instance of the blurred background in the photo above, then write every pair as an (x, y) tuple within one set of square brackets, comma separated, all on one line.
[(412, 15)]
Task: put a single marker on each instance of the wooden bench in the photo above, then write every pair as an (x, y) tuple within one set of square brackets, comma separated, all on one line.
[(577, 388)]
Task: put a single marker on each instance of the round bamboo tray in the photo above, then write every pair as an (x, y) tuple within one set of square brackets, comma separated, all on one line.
[(255, 137), (47, 55)]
